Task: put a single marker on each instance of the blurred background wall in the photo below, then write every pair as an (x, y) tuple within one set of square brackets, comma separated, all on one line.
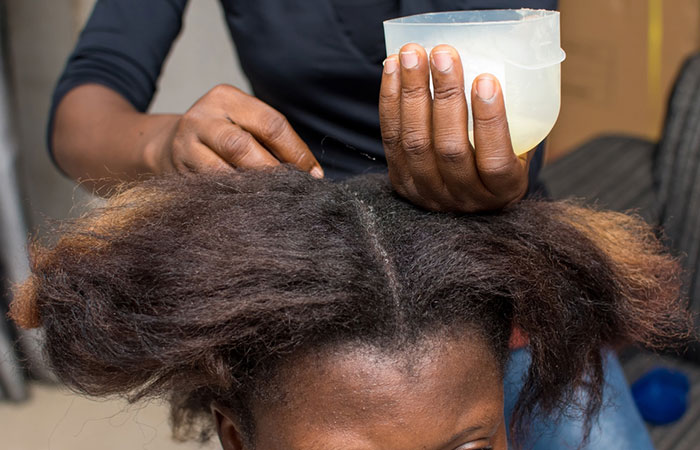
[(623, 57)]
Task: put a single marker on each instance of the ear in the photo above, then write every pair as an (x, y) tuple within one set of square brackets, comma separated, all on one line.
[(228, 427)]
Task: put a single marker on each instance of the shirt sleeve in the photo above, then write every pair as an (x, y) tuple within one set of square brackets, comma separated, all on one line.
[(123, 47)]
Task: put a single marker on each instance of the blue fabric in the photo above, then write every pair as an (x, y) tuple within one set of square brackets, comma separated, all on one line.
[(619, 425)]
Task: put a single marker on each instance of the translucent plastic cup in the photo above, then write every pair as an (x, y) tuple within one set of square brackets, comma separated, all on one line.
[(521, 47)]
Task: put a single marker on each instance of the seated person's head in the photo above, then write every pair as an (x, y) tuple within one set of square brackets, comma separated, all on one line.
[(290, 313)]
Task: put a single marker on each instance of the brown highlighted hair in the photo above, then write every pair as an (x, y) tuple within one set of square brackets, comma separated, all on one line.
[(198, 289)]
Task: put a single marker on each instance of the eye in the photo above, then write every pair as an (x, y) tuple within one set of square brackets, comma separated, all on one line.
[(470, 446)]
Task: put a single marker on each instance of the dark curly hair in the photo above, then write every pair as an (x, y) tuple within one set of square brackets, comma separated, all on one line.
[(199, 288)]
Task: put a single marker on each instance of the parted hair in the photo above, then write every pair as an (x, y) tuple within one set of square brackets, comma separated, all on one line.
[(200, 288)]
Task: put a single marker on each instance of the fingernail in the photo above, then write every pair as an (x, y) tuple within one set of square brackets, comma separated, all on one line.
[(485, 88), (390, 65), (317, 172), (409, 59), (442, 61)]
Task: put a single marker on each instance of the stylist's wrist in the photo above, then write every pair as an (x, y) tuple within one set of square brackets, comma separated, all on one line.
[(155, 152)]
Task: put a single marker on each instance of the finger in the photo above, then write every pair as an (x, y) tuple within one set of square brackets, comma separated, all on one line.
[(416, 120), (202, 159), (453, 153), (500, 170), (236, 146), (271, 129), (390, 121)]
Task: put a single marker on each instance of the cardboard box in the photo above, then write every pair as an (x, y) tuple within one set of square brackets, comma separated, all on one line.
[(622, 60)]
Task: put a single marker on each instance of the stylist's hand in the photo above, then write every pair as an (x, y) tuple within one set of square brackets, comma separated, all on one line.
[(431, 162), (229, 129)]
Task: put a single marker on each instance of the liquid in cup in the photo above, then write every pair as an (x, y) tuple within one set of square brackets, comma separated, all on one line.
[(521, 47)]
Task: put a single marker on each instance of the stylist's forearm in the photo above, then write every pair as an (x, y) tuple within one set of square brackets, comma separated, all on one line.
[(99, 138)]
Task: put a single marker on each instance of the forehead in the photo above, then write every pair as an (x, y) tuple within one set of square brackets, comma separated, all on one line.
[(380, 399)]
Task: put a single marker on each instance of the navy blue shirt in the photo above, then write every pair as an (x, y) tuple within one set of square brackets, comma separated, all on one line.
[(316, 61)]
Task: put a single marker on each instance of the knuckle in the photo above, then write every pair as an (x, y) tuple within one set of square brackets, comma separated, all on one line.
[(416, 143), (196, 117), (450, 150), (234, 144), (240, 156), (499, 166), (391, 139), (189, 118), (415, 92), (451, 154), (448, 92), (487, 122), (275, 126), (221, 90), (388, 97)]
